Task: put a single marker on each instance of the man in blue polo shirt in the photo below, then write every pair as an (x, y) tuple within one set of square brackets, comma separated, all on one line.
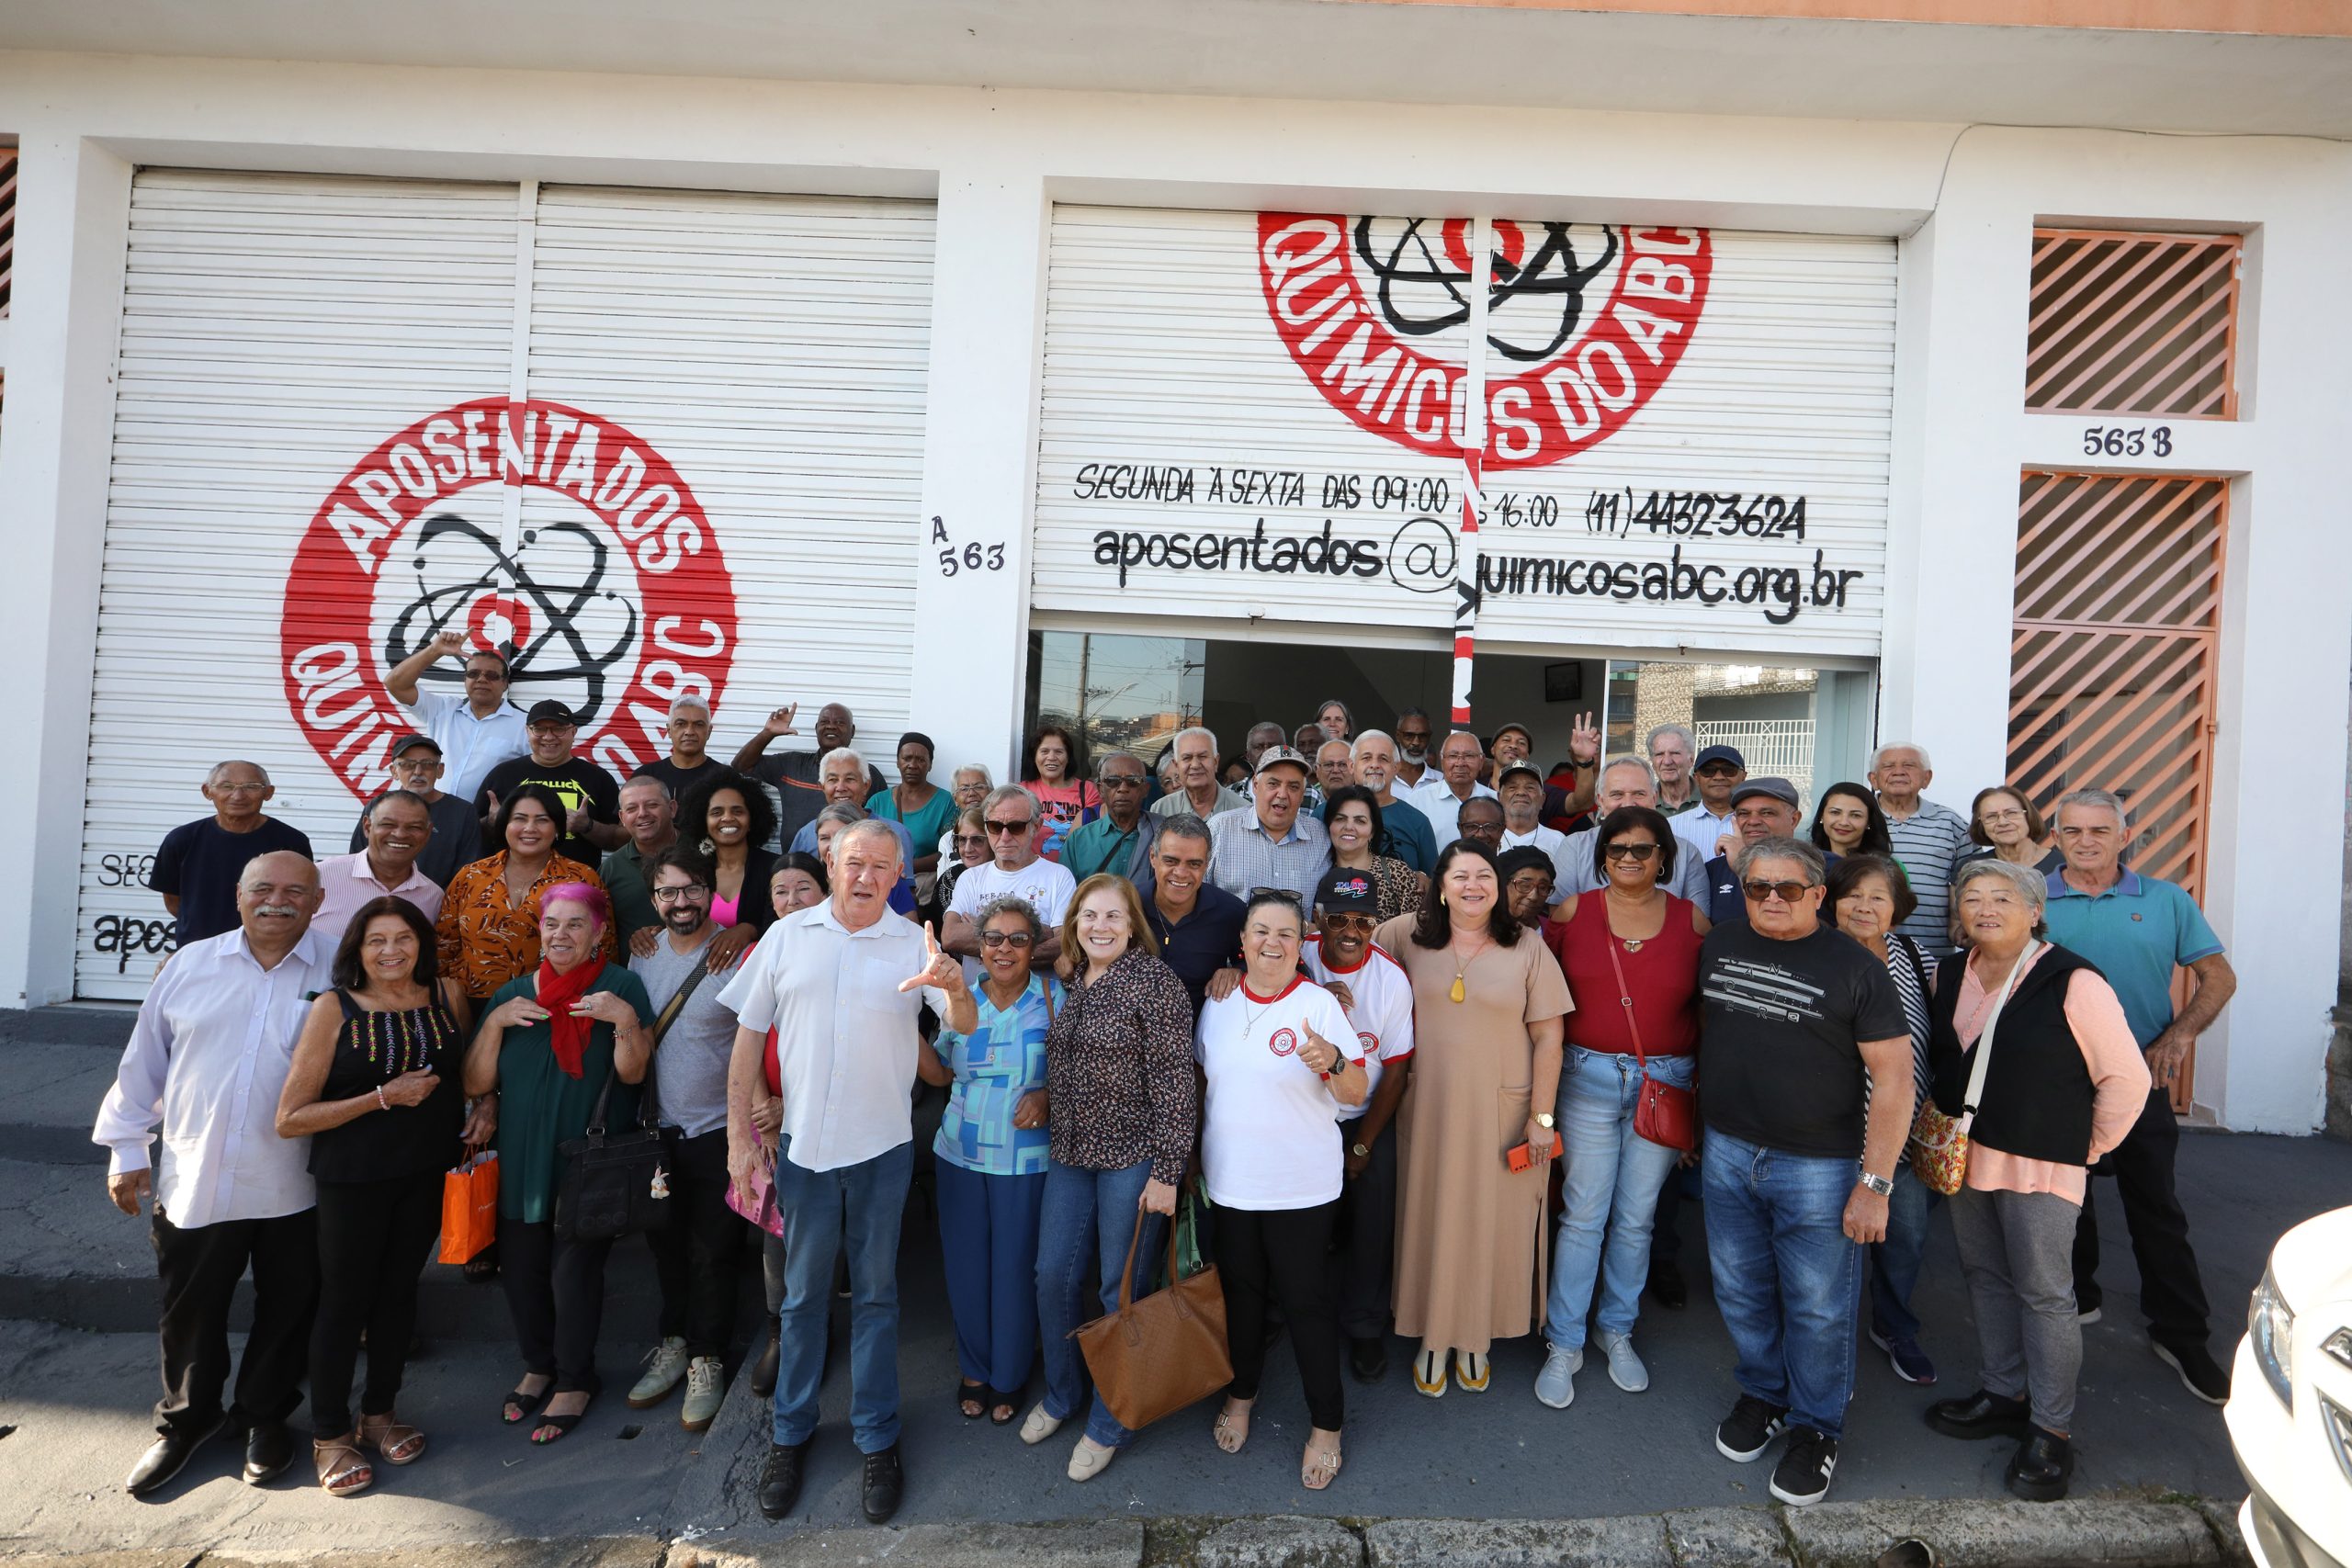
[(2137, 929)]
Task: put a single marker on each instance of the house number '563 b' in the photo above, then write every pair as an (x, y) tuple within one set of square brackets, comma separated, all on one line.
[(2126, 441), (974, 557)]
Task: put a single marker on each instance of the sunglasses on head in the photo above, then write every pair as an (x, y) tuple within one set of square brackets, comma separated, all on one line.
[(1787, 892)]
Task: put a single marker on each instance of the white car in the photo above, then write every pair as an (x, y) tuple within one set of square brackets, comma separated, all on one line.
[(2290, 1403)]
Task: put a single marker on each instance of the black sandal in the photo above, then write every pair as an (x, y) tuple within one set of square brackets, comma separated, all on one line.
[(1008, 1402), (564, 1423), (520, 1408), (972, 1394)]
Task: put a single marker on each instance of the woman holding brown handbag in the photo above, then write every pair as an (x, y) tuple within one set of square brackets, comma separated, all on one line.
[(1631, 954)]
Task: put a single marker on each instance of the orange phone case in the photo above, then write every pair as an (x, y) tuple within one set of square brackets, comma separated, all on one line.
[(1517, 1156)]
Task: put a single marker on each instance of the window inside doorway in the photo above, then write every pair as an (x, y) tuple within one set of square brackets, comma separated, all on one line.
[(1115, 693)]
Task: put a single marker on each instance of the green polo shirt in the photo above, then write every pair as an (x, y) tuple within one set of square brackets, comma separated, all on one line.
[(625, 884), (2138, 932), (1100, 846)]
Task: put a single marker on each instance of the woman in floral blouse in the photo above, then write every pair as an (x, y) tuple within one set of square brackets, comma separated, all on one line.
[(489, 925), (1119, 1072)]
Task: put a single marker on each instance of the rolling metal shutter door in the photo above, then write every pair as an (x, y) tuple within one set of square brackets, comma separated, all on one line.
[(274, 329), (752, 368), (1165, 365)]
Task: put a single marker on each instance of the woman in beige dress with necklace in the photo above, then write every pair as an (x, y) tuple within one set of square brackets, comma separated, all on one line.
[(1488, 1001)]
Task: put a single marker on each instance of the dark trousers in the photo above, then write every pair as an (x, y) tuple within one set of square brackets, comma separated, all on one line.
[(198, 1269), (2171, 1293), (1367, 1235), (555, 1291), (1666, 1232), (1279, 1254), (375, 1238), (695, 1256)]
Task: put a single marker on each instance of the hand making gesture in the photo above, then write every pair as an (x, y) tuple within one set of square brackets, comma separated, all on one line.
[(780, 721), (1583, 742), (938, 969)]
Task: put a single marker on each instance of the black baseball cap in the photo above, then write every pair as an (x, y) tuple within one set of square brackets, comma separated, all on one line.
[(1779, 789), (1719, 755), (408, 743), (1342, 889), (546, 710), (1521, 766)]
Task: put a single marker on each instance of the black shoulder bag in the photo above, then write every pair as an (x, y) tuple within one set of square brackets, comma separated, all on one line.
[(618, 1184)]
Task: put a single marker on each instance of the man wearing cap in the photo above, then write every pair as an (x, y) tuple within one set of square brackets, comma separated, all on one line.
[(792, 775), (1270, 842), (1927, 838), (688, 763), (1515, 743), (591, 796), (1719, 771), (456, 831), (1409, 838), (1378, 996), (1627, 780), (1521, 787), (475, 732), (649, 817), (1460, 760), (1760, 809), (399, 828)]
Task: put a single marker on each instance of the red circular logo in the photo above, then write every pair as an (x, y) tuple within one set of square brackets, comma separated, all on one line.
[(1590, 318), (1371, 1044), (1283, 1043), (548, 533)]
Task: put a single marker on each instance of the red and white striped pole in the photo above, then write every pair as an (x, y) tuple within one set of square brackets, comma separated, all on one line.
[(1473, 447)]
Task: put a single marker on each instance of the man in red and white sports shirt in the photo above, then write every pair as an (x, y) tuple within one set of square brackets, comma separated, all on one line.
[(1378, 998)]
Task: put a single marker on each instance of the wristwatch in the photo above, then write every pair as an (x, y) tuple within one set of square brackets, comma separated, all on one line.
[(1544, 1119), (1359, 1151), (1881, 1185)]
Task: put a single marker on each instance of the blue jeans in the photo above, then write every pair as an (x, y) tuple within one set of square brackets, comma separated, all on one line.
[(858, 1205), (1611, 1185), (1895, 1262), (1787, 1281), (1090, 1217)]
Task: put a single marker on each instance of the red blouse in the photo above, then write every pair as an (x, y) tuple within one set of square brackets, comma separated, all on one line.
[(1661, 975)]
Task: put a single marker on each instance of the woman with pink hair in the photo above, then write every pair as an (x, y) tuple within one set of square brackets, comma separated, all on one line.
[(551, 1042)]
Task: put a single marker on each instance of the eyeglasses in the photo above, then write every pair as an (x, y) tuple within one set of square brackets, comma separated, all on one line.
[(2010, 813), (240, 788), (1122, 781), (1787, 892), (965, 841), (680, 895), (485, 676), (1007, 828), (1007, 939), (1637, 852)]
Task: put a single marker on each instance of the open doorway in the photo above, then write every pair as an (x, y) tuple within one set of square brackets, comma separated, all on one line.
[(1809, 724)]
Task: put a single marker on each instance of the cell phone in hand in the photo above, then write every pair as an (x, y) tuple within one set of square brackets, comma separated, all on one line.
[(1519, 1156)]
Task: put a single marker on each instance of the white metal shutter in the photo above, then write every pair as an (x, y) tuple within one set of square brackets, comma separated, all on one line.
[(774, 349), (274, 328), (1164, 369)]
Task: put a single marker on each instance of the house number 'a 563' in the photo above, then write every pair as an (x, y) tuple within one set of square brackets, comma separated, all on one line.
[(974, 557)]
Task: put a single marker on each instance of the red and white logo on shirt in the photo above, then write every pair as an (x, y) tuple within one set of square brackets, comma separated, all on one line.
[(1283, 1043)]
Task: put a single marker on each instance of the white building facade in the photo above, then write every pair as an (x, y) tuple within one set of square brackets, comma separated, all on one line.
[(778, 391)]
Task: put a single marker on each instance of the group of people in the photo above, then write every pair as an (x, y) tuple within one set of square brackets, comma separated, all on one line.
[(1346, 1012)]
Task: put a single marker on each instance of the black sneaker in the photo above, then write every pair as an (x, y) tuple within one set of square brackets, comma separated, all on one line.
[(1803, 1476), (780, 1479), (886, 1481), (2200, 1374), (1750, 1428), (1666, 1286), (763, 1371)]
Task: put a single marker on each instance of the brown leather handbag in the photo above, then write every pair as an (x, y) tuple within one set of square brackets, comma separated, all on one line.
[(1153, 1357), (1664, 1114)]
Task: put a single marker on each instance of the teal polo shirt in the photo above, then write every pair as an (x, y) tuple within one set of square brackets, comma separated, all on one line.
[(2137, 931), (1102, 846)]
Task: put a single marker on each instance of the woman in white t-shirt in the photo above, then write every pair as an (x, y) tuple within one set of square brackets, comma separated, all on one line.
[(1280, 1060)]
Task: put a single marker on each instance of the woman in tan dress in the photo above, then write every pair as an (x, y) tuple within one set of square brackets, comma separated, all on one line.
[(1488, 1000)]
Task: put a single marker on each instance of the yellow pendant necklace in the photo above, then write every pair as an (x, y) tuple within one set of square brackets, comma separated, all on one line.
[(1461, 965)]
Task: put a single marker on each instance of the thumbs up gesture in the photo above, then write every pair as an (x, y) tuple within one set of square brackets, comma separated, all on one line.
[(1318, 1052)]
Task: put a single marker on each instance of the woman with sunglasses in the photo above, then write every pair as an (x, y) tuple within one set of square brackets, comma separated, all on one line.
[(991, 1161), (1634, 944), (967, 846)]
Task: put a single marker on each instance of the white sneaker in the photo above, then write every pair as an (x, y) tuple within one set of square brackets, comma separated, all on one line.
[(1625, 1368), (665, 1364), (706, 1388), (1555, 1384)]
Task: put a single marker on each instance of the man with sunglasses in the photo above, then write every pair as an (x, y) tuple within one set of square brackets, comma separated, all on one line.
[(1378, 996), (1718, 771), (476, 732), (1807, 1068), (1119, 840), (417, 768), (1760, 808), (1015, 869)]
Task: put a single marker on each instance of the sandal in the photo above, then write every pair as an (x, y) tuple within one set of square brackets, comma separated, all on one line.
[(559, 1425), (343, 1469), (396, 1443), (1320, 1468), (971, 1399), (1003, 1406), (520, 1408), (1232, 1434)]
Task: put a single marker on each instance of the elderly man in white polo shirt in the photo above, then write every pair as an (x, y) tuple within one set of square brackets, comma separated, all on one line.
[(841, 984), (398, 825), (207, 1060), (476, 732)]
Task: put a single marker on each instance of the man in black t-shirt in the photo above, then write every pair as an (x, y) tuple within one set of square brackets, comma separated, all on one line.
[(197, 868), (793, 775), (687, 765), (591, 795), (1805, 1074)]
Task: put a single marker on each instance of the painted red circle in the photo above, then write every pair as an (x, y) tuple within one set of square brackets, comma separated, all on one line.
[(496, 619)]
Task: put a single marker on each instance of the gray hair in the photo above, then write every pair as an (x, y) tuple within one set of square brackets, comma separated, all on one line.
[(652, 780), (1003, 793), (1335, 702), (1203, 731), (864, 827), (1362, 735), (1100, 758), (988, 780), (1816, 869), (2104, 799), (213, 778), (1329, 744), (1690, 737), (409, 795), (1185, 825), (837, 754), (1274, 724), (693, 701), (1879, 755), (1627, 760), (842, 812), (1010, 904), (2028, 882), (1470, 734)]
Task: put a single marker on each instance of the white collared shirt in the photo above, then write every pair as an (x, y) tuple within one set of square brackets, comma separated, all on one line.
[(845, 1038), (347, 882), (207, 1060), (1699, 829), (470, 746), (1435, 800)]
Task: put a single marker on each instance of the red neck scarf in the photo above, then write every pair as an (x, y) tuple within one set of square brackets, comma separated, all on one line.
[(557, 993)]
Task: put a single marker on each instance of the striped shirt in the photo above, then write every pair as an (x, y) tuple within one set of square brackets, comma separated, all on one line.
[(1926, 844), (1244, 857)]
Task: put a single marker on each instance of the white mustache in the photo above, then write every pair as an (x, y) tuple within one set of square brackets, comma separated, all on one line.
[(277, 910)]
